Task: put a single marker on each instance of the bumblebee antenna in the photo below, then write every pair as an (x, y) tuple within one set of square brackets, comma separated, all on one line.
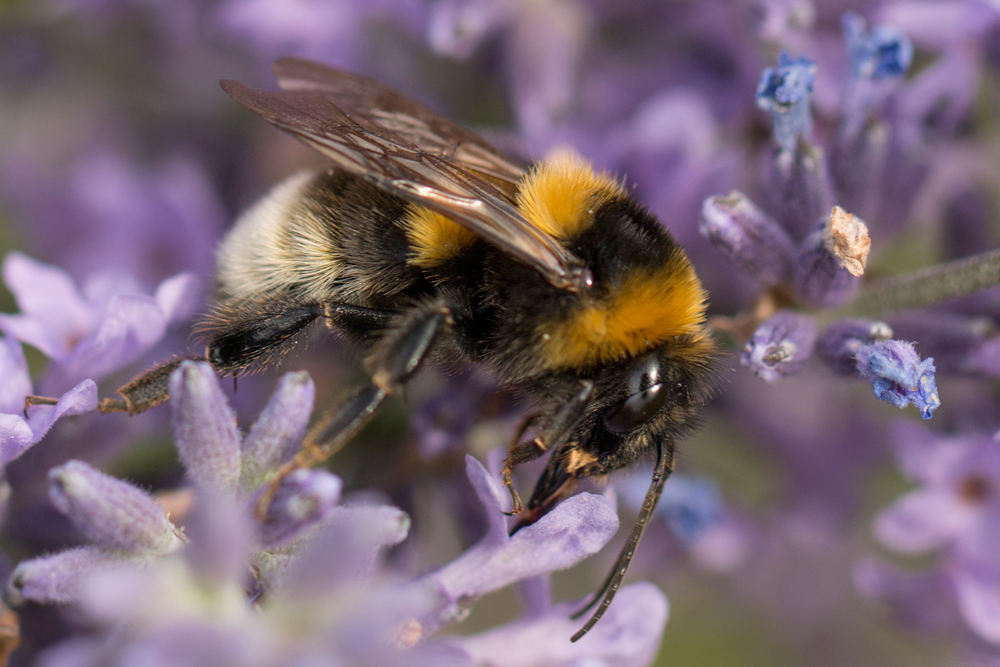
[(664, 466)]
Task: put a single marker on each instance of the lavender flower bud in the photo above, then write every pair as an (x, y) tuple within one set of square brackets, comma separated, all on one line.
[(111, 512), (780, 346), (208, 442), (798, 187), (899, 376), (57, 578), (276, 435), (303, 501), (784, 91), (882, 53), (748, 236), (838, 345), (820, 280)]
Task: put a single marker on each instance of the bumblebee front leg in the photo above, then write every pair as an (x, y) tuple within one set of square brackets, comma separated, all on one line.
[(395, 359), (554, 436)]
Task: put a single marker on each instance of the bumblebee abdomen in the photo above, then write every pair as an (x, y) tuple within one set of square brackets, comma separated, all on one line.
[(320, 237)]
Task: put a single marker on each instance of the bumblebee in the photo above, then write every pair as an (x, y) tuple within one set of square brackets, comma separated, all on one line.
[(423, 242)]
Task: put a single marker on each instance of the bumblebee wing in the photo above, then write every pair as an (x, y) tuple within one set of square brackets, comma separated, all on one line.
[(392, 162), (359, 96)]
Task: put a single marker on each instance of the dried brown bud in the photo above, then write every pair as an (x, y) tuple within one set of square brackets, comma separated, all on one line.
[(846, 237)]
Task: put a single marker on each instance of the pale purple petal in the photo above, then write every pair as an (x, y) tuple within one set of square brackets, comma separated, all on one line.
[(304, 500), (131, 324), (978, 595), (57, 578), (179, 297), (346, 550), (924, 456), (277, 433), (627, 636), (578, 527), (219, 534), (205, 432), (17, 434), (491, 496), (15, 382), (922, 520), (54, 316), (109, 511)]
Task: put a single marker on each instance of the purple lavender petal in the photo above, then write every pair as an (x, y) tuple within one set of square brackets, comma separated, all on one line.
[(627, 636), (839, 343), (491, 496), (820, 280), (303, 501), (205, 432), (17, 434), (15, 382), (131, 324), (578, 527), (924, 456), (923, 520), (784, 91), (219, 534), (57, 578), (899, 376), (111, 512), (346, 550), (54, 315), (781, 346), (977, 591), (278, 432), (179, 297), (749, 237)]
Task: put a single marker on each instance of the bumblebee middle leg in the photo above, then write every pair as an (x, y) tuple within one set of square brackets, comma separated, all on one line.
[(396, 358)]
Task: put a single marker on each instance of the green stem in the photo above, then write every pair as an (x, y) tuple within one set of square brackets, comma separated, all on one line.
[(925, 287)]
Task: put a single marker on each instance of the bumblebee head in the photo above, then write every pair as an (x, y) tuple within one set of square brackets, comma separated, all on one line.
[(655, 395)]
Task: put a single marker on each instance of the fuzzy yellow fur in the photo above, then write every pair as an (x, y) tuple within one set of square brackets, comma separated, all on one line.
[(434, 238), (641, 312)]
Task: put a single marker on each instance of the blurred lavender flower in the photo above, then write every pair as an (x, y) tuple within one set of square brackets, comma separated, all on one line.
[(784, 92), (96, 331), (956, 509), (123, 521)]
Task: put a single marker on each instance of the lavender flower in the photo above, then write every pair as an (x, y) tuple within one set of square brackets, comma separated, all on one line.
[(575, 529), (899, 376), (110, 512), (784, 92), (20, 429), (94, 332), (748, 236), (780, 346)]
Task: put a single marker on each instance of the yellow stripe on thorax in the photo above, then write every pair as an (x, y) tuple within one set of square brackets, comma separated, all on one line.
[(559, 193), (434, 238), (647, 308)]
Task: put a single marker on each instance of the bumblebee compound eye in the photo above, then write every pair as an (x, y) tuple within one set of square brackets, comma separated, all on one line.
[(636, 410)]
